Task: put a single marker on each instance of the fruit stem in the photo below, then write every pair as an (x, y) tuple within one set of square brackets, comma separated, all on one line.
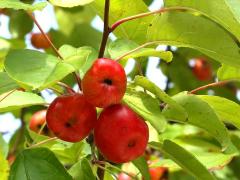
[(68, 88), (220, 83), (106, 30), (114, 167), (159, 11), (43, 142), (77, 77)]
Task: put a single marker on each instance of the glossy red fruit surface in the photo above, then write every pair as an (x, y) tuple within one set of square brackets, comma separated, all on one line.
[(202, 70), (39, 41), (123, 176), (71, 117), (104, 83), (120, 134), (157, 173), (37, 120)]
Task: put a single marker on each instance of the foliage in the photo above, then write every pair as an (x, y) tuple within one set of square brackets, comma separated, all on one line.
[(194, 133)]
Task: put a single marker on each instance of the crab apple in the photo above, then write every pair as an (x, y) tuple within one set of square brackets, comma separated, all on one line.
[(104, 83), (123, 176), (37, 121), (38, 41), (202, 70), (71, 117), (157, 173), (120, 134)]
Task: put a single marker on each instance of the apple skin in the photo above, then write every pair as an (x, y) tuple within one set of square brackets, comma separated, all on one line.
[(104, 83), (120, 134), (36, 122), (38, 41), (123, 176), (202, 70), (71, 118), (157, 173)]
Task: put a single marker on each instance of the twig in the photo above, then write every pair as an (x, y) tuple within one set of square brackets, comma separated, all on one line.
[(119, 22), (220, 83), (106, 30), (43, 142), (77, 77), (44, 34)]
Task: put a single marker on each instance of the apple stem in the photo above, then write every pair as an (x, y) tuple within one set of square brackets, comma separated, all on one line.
[(106, 30), (68, 88), (97, 162), (77, 77), (220, 83), (159, 11)]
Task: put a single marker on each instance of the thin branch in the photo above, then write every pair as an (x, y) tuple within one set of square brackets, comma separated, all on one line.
[(43, 142), (8, 94), (119, 22), (106, 30), (220, 83), (77, 77), (138, 48), (44, 34)]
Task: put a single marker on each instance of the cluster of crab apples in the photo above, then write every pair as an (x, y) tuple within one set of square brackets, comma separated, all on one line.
[(120, 134)]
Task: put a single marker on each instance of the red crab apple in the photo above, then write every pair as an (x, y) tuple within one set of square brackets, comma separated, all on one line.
[(202, 70), (123, 176), (38, 41), (37, 121), (104, 83), (120, 134), (71, 117), (157, 173)]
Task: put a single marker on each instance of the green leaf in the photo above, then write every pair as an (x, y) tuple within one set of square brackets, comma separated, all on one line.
[(6, 83), (16, 4), (81, 58), (3, 147), (226, 109), (151, 87), (82, 170), (17, 99), (226, 72), (147, 107), (177, 29), (225, 12), (38, 164), (36, 70), (184, 159), (67, 153), (4, 167), (122, 46), (201, 115), (70, 3), (16, 27), (142, 165), (135, 30)]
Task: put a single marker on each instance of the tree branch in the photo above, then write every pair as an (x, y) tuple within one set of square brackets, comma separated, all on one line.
[(106, 31), (121, 21), (220, 83), (77, 77)]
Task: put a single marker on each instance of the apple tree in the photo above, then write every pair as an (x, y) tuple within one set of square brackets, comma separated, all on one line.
[(109, 120)]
